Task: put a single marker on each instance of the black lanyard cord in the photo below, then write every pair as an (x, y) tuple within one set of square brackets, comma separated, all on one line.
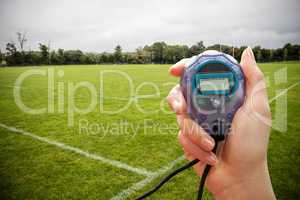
[(177, 171)]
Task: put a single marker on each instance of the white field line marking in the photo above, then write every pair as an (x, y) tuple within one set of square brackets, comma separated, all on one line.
[(63, 146), (139, 185), (284, 91)]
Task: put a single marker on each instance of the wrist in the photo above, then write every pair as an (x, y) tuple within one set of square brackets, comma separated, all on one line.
[(252, 185)]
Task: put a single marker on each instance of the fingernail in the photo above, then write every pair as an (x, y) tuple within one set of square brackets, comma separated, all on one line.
[(172, 70), (251, 60), (250, 53), (212, 159), (208, 144)]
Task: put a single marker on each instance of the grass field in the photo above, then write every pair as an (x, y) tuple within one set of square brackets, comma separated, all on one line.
[(41, 157)]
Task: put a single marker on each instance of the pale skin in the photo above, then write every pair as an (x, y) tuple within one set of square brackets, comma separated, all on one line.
[(240, 169)]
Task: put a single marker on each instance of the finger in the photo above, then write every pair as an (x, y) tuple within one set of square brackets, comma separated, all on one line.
[(195, 133), (189, 156), (177, 69), (199, 167), (192, 149), (176, 100), (257, 98), (253, 74), (188, 126)]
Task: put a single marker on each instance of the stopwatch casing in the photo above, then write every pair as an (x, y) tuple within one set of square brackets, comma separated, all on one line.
[(213, 86)]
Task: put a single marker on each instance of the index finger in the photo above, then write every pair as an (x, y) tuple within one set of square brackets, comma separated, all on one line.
[(177, 69)]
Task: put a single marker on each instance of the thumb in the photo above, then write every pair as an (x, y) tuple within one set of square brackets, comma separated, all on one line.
[(253, 74), (256, 92)]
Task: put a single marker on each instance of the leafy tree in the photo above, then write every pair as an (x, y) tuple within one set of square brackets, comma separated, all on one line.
[(32, 58), (74, 57), (271, 55), (118, 54), (21, 39), (196, 49), (44, 53), (103, 58), (278, 54), (91, 58), (132, 58), (11, 48), (158, 52), (125, 57), (285, 54), (1, 57), (291, 52), (13, 56), (140, 58), (54, 58), (227, 49), (111, 58), (174, 53), (60, 56), (287, 50), (149, 52), (257, 53)]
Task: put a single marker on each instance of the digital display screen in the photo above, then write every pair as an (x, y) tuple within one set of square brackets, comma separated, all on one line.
[(214, 84)]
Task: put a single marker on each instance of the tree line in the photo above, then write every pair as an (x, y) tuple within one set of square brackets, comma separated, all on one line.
[(159, 53)]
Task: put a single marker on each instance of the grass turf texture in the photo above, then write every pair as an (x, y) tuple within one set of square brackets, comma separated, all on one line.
[(30, 169)]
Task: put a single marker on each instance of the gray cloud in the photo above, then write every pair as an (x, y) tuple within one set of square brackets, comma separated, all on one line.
[(98, 25)]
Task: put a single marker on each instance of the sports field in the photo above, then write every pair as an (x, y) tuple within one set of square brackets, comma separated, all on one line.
[(108, 153)]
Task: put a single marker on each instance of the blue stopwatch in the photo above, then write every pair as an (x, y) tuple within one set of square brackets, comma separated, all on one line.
[(213, 85)]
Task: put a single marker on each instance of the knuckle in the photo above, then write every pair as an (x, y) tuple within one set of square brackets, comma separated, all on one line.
[(202, 156), (196, 136), (197, 131)]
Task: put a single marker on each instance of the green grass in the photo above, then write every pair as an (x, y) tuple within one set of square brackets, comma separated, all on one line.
[(30, 169)]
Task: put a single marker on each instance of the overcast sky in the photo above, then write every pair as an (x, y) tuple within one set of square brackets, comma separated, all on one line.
[(98, 25)]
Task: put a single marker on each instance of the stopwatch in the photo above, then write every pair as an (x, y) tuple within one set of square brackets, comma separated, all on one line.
[(213, 86)]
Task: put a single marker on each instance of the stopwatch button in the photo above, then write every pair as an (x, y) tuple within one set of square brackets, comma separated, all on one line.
[(202, 117), (229, 116)]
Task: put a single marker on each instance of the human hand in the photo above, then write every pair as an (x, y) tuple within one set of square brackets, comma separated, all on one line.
[(240, 168)]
